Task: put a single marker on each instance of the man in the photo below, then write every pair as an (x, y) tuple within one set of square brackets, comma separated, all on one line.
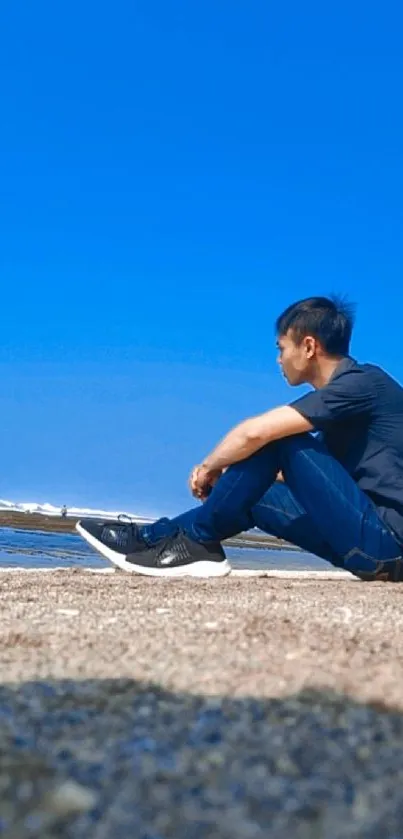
[(341, 493)]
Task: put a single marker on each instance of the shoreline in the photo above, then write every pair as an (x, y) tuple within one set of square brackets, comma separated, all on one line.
[(59, 524)]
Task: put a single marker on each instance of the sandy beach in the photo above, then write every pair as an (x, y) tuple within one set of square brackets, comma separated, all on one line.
[(235, 708)]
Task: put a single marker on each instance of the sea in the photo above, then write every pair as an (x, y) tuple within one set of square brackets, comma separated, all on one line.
[(43, 549)]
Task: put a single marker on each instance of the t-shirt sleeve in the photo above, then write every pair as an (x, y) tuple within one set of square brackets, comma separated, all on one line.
[(350, 395)]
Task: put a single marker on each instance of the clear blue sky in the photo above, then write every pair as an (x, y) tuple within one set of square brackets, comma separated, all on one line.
[(172, 176)]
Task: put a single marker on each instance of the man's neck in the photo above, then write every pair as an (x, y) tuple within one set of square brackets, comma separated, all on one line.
[(325, 369)]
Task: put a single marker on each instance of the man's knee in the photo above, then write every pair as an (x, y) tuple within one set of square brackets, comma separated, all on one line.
[(290, 447)]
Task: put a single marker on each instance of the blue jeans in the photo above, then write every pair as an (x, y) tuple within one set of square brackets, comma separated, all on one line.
[(320, 508)]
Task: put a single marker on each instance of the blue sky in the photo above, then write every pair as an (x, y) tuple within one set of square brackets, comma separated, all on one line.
[(173, 175)]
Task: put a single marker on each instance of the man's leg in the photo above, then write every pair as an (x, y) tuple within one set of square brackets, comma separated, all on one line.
[(280, 514), (340, 514)]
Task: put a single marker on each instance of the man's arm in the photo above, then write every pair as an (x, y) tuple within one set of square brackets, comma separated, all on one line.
[(254, 433), (244, 440)]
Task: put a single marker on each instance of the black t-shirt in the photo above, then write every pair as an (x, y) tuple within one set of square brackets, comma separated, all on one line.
[(360, 415)]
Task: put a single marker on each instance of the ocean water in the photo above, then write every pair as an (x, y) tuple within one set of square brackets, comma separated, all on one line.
[(37, 549)]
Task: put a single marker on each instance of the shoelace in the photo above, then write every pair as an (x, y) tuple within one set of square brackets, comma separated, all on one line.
[(160, 547), (128, 533), (129, 522)]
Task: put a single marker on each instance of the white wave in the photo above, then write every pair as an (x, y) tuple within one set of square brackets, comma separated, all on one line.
[(53, 510)]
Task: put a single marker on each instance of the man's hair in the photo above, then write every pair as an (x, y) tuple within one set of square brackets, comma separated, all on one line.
[(330, 320)]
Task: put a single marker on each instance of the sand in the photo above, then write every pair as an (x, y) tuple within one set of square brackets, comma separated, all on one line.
[(234, 708)]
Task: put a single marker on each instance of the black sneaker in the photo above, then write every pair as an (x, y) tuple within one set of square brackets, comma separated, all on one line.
[(113, 539), (175, 556)]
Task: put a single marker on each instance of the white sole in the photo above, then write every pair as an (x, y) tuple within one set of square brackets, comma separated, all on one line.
[(194, 569)]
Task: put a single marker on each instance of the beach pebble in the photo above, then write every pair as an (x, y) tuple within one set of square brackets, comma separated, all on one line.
[(69, 798)]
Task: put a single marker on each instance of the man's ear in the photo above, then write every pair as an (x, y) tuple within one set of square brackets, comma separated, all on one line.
[(310, 344)]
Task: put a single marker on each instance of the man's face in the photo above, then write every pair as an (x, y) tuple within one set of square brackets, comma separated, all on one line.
[(296, 360)]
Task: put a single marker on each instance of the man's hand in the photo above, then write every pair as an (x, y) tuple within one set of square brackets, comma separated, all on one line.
[(202, 481)]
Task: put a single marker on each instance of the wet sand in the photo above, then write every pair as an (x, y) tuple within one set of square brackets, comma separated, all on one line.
[(37, 521), (235, 708)]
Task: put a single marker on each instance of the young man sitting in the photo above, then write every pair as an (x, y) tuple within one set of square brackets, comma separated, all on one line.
[(341, 492)]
